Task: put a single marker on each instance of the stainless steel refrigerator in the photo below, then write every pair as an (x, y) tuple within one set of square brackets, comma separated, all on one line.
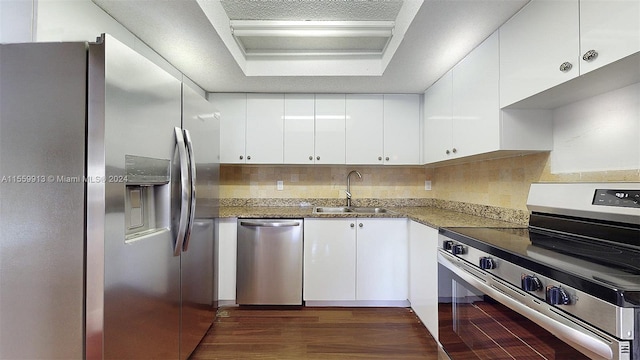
[(108, 191)]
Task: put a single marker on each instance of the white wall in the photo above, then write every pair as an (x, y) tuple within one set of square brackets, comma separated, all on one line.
[(16, 20), (82, 20), (70, 20), (601, 133)]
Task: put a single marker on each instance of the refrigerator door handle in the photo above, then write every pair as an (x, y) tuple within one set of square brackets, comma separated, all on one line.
[(192, 200), (185, 189)]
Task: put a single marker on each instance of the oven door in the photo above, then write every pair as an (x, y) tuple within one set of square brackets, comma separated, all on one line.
[(483, 317)]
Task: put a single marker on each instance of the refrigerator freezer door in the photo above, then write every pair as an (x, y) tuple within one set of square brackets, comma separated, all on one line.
[(141, 106), (42, 196)]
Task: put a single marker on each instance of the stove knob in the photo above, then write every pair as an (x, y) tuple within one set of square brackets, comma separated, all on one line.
[(557, 296), (447, 244), (530, 283), (457, 249), (487, 263)]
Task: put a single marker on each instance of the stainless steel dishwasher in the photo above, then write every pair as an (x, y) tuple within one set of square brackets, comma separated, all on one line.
[(269, 267)]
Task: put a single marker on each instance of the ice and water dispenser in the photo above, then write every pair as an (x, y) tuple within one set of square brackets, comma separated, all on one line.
[(146, 196)]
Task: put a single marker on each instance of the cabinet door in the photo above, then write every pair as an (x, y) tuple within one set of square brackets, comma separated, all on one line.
[(299, 115), (330, 129), (364, 132), (382, 254), (329, 260), (611, 28), (265, 129), (437, 120), (233, 117), (227, 258), (476, 108), (402, 129), (533, 46), (423, 274)]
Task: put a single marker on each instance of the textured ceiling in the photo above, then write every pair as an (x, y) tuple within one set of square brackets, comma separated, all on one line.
[(311, 9), (441, 34)]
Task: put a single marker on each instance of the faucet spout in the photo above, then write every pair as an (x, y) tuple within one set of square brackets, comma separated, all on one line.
[(348, 191)]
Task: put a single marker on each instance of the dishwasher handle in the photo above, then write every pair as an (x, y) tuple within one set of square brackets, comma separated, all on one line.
[(269, 223)]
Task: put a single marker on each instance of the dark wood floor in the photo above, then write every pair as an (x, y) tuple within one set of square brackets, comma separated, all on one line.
[(317, 333)]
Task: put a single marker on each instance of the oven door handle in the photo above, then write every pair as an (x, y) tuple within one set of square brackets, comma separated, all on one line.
[(591, 342)]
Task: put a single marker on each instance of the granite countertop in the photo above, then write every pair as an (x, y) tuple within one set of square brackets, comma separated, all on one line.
[(428, 215)]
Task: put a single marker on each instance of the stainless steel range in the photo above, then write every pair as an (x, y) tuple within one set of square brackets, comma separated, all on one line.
[(567, 286)]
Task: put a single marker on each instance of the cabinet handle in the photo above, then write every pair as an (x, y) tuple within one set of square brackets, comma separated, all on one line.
[(379, 158), (317, 157), (590, 55), (352, 225), (360, 225), (241, 157), (454, 150), (249, 157), (310, 157), (565, 66), (386, 159), (447, 152)]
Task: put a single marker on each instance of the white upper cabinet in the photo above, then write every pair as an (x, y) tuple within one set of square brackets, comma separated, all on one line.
[(611, 28), (330, 128), (333, 129), (401, 129), (538, 49), (476, 91), (463, 116), (265, 129), (383, 129), (550, 43), (233, 117), (364, 132), (437, 119), (299, 125)]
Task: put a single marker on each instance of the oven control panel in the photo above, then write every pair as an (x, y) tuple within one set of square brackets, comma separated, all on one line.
[(617, 198)]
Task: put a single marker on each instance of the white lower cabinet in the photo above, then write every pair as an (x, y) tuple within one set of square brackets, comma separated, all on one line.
[(355, 259), (329, 260), (227, 234), (423, 274), (382, 252)]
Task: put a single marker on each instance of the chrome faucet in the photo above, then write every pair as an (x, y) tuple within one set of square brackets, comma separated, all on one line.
[(348, 191)]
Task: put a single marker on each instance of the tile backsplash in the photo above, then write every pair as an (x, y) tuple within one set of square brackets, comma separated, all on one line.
[(259, 181), (499, 183)]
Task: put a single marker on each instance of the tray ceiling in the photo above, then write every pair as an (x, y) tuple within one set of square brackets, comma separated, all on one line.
[(311, 37), (439, 34)]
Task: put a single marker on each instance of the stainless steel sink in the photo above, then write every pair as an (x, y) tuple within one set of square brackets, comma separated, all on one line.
[(349, 210), (332, 210), (369, 210)]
